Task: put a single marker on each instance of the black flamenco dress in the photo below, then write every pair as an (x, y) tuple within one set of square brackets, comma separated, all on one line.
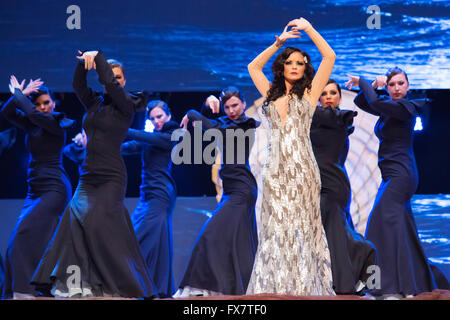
[(49, 191), (2, 275), (94, 250), (350, 253), (223, 255), (152, 217), (391, 227), (7, 139)]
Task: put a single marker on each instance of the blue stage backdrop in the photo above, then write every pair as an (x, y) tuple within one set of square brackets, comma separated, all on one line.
[(176, 45)]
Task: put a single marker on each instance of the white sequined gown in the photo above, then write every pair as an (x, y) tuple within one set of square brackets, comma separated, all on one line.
[(292, 256)]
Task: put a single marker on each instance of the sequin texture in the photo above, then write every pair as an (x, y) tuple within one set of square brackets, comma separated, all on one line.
[(292, 256)]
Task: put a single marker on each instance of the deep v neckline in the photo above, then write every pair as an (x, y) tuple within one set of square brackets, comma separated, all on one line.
[(283, 125)]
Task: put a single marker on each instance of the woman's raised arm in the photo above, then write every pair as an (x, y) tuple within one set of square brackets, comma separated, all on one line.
[(255, 68), (328, 57)]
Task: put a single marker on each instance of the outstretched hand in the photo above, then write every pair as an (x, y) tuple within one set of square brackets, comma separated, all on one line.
[(184, 122), (88, 58), (81, 139), (213, 103), (353, 82)]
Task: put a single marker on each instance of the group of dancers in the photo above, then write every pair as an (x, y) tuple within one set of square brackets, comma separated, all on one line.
[(305, 242)]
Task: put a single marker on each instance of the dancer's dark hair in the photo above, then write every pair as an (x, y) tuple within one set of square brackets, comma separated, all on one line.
[(337, 86), (394, 71), (229, 92), (41, 91), (157, 104), (278, 86)]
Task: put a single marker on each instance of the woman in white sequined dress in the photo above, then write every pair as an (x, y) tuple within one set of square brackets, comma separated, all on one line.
[(292, 256)]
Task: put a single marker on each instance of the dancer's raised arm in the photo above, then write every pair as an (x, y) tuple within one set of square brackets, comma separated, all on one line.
[(255, 68), (328, 57)]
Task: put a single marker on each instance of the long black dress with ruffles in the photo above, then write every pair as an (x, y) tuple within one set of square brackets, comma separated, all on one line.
[(7, 139), (223, 255), (152, 217), (391, 227), (2, 275), (94, 250), (350, 253), (49, 191)]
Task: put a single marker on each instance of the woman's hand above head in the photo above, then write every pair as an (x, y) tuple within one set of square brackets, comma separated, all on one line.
[(287, 34), (213, 103), (14, 84), (353, 82), (299, 24), (88, 58), (33, 86)]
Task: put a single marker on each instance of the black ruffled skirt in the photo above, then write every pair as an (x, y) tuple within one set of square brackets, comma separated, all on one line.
[(350, 253), (31, 235), (152, 221), (94, 251), (223, 256), (392, 229)]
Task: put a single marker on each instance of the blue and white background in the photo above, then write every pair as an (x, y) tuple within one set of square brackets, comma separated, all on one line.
[(175, 45)]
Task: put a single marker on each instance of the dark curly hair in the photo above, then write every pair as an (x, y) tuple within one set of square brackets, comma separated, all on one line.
[(278, 86)]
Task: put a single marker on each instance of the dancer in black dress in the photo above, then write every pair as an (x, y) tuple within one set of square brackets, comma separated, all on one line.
[(152, 218), (2, 275), (7, 139), (350, 253), (49, 188), (404, 267), (94, 250), (222, 259)]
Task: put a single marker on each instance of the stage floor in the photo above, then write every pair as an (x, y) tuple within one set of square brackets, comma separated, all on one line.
[(432, 214)]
